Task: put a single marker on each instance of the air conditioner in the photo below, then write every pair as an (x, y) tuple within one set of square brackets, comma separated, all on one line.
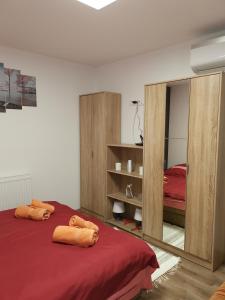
[(208, 55)]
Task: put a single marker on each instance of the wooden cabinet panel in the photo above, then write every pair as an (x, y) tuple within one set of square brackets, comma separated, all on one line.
[(154, 133), (202, 156), (98, 153), (100, 115), (86, 152)]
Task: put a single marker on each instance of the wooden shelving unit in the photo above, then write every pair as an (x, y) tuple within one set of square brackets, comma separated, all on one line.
[(127, 227), (121, 197), (125, 173), (131, 146), (117, 182)]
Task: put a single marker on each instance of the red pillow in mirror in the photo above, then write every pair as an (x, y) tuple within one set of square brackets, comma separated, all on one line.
[(177, 170)]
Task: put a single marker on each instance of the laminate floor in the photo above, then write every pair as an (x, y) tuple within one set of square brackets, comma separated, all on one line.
[(190, 282), (173, 235)]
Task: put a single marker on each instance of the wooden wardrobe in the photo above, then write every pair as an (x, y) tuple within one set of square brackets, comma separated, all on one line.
[(205, 185), (100, 124)]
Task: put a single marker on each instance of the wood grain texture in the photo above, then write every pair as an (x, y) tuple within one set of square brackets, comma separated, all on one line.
[(86, 151), (99, 132), (100, 124), (219, 218), (117, 181), (113, 118), (190, 282), (202, 150), (154, 132)]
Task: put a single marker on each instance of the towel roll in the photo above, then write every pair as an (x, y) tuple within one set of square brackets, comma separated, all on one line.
[(79, 222), (82, 237), (37, 203), (23, 211), (39, 214), (27, 212)]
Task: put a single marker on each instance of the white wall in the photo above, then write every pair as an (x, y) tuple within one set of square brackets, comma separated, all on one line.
[(129, 77), (44, 141), (178, 124)]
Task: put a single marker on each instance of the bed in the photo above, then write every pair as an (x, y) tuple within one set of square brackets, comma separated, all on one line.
[(33, 267), (175, 195)]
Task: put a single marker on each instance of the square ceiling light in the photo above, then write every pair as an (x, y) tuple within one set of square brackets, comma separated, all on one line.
[(97, 4)]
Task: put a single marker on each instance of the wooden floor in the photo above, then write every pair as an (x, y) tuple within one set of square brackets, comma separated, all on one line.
[(190, 282)]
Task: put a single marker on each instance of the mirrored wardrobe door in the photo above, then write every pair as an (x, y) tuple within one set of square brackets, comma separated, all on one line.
[(175, 162)]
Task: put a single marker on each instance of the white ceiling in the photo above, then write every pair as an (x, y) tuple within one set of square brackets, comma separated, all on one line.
[(70, 30)]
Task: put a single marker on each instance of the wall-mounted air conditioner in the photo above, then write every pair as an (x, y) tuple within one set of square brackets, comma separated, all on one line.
[(208, 55)]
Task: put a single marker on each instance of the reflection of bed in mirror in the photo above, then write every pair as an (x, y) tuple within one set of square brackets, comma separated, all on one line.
[(175, 195)]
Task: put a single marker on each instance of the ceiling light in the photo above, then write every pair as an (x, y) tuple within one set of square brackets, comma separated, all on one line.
[(97, 4)]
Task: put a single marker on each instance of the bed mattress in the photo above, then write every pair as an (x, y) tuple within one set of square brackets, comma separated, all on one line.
[(33, 267)]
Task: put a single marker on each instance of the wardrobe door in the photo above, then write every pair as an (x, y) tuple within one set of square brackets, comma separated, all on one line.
[(99, 153), (154, 133), (86, 152), (202, 155)]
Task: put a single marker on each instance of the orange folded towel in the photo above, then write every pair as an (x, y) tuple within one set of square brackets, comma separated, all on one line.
[(27, 212), (79, 222), (37, 203), (220, 293), (82, 237)]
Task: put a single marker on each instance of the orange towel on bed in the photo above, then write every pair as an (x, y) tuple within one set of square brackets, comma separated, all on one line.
[(79, 222), (27, 212), (220, 293), (37, 203), (82, 237)]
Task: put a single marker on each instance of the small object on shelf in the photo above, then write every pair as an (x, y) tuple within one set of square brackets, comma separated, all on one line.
[(118, 166), (118, 210), (129, 166), (127, 221), (138, 217), (129, 193), (142, 141), (141, 170)]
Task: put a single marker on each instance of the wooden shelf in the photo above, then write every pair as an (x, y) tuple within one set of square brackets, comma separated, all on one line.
[(122, 197), (127, 227), (132, 146), (125, 173)]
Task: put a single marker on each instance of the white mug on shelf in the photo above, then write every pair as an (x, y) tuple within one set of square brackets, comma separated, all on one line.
[(129, 166), (118, 166), (141, 170)]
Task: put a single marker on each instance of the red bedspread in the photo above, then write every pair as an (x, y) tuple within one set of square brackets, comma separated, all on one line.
[(175, 187), (32, 267)]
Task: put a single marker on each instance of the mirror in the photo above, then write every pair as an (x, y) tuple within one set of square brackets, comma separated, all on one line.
[(175, 162)]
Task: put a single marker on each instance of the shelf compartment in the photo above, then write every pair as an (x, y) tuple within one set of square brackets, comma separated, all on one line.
[(126, 146), (125, 173), (127, 227), (122, 197)]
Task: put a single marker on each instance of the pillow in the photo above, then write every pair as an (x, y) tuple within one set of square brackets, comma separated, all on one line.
[(177, 170)]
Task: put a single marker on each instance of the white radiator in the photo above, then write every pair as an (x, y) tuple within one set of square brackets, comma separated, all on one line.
[(15, 190)]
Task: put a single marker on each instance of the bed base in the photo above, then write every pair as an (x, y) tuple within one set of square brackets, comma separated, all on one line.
[(174, 216)]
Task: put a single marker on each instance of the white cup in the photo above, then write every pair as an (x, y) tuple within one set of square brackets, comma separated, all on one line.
[(141, 171), (118, 166), (129, 166)]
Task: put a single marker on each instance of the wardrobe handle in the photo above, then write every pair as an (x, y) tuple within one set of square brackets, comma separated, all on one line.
[(92, 154)]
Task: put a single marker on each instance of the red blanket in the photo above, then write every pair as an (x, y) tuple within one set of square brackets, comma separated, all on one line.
[(33, 267), (175, 187)]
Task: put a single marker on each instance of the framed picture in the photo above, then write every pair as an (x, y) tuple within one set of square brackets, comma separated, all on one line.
[(3, 89), (28, 86), (14, 96), (16, 90)]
